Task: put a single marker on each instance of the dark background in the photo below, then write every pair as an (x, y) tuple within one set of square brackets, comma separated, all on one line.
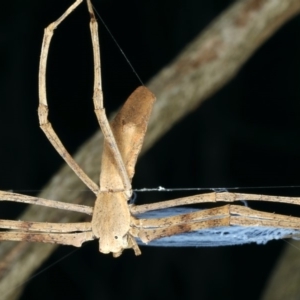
[(246, 135)]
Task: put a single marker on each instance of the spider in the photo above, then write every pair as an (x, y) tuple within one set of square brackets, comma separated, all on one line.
[(117, 224)]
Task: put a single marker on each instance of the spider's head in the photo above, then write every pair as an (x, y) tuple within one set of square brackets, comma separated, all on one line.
[(113, 243), (111, 222)]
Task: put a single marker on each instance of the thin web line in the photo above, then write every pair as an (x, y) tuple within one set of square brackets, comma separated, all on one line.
[(167, 189), (291, 244), (214, 189), (118, 45)]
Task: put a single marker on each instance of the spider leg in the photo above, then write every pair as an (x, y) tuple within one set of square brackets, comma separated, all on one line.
[(54, 233), (227, 215), (133, 244), (8, 196), (151, 229), (245, 216), (200, 215), (212, 197), (45, 227), (99, 109), (43, 105), (72, 239), (128, 127), (147, 235), (125, 135)]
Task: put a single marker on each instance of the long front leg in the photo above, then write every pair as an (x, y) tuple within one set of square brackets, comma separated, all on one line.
[(14, 197), (100, 111), (43, 104)]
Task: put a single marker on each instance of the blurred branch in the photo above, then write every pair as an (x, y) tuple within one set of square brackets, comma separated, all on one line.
[(202, 68), (284, 282)]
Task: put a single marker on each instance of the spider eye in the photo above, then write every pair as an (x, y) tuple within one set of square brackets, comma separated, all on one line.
[(116, 237)]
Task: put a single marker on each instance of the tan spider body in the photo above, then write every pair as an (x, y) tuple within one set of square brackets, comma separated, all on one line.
[(113, 220)]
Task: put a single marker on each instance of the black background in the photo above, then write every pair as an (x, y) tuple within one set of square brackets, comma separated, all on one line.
[(246, 135)]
